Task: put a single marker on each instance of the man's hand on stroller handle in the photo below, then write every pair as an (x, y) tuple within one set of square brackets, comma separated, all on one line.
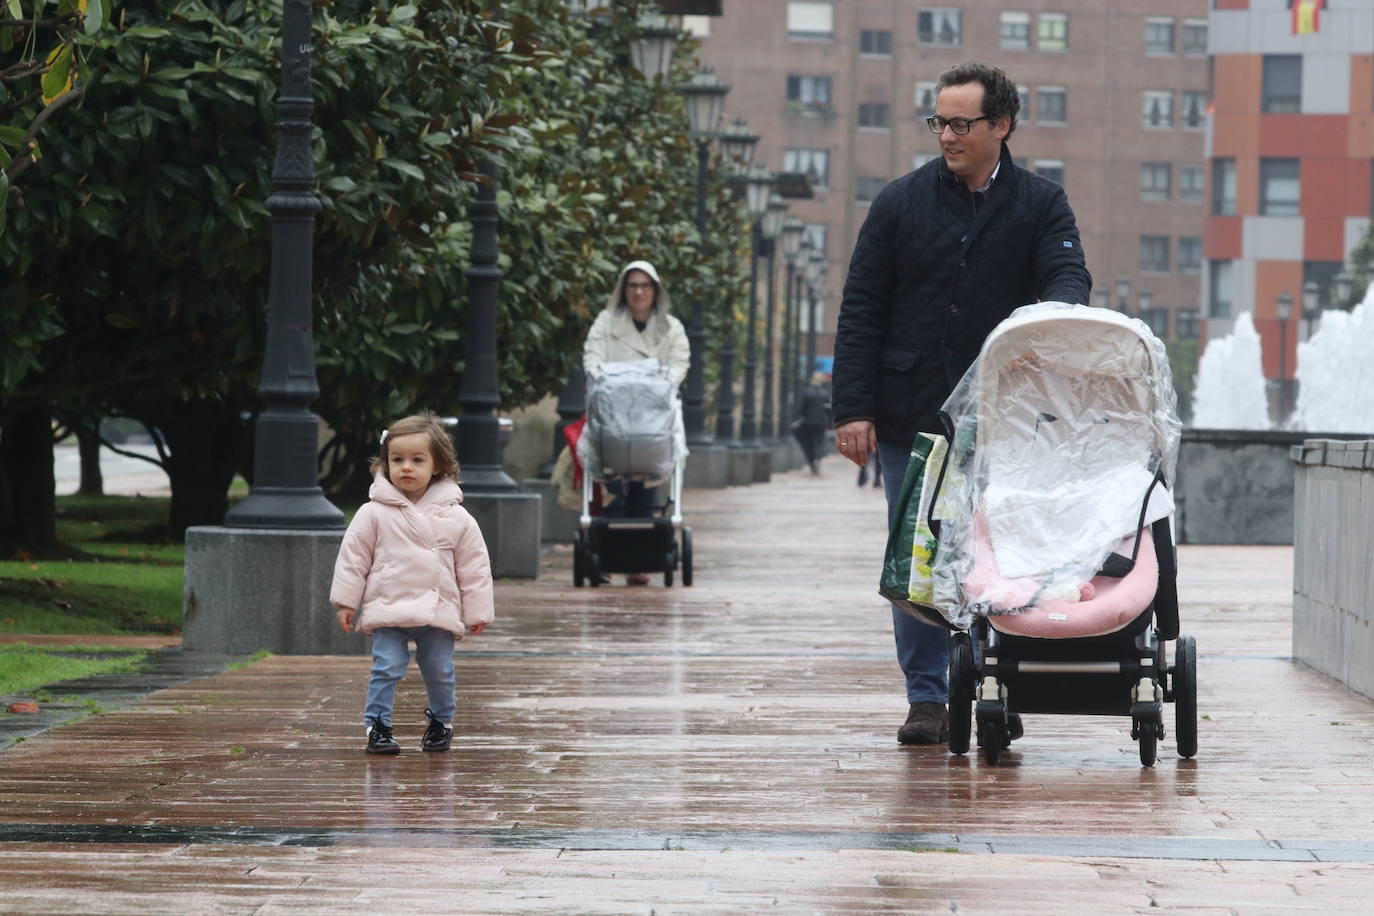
[(856, 440)]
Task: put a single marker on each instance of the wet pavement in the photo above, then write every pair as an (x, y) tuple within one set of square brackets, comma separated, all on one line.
[(728, 747)]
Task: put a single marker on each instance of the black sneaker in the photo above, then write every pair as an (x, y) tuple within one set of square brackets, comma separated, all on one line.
[(379, 740), (437, 736)]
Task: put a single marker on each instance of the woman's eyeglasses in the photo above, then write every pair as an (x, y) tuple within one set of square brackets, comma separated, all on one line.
[(639, 287), (960, 126)]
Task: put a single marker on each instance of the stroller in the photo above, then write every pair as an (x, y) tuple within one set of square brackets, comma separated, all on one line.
[(634, 432), (1055, 563)]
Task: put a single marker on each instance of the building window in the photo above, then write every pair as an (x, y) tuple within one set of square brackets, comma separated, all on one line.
[(810, 21), (1053, 169), (1322, 273), (1189, 254), (1154, 254), (1023, 93), (1195, 37), (940, 26), (1279, 187), (1157, 109), (865, 189), (816, 235), (1015, 30), (873, 115), (1052, 104), (1157, 319), (813, 162), (1156, 179), (1190, 183), (1281, 90), (875, 42), (1052, 32), (1159, 35), (809, 94), (925, 98), (1194, 109), (1223, 187), (1219, 290), (1189, 326)]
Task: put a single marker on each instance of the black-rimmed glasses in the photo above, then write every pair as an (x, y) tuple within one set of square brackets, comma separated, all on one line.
[(960, 126)]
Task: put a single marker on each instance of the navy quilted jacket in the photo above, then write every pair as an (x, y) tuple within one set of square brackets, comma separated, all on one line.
[(932, 275)]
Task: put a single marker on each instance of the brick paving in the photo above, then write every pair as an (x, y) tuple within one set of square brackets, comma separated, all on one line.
[(727, 747)]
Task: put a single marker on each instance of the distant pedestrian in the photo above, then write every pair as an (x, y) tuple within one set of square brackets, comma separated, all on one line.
[(413, 567), (636, 324), (813, 417), (877, 463)]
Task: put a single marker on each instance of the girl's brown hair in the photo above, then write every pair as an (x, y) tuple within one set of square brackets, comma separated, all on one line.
[(440, 445)]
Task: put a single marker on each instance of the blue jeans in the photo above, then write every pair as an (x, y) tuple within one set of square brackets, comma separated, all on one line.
[(922, 648), (391, 657), (632, 500)]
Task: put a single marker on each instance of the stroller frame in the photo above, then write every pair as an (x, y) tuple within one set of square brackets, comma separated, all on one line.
[(993, 673), (662, 544)]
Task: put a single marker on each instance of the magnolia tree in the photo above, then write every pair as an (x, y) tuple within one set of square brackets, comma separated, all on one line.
[(136, 262)]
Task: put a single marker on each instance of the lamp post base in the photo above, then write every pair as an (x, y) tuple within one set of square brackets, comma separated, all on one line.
[(708, 467)]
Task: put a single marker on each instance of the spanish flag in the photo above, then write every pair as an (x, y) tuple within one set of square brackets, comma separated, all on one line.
[(1306, 16)]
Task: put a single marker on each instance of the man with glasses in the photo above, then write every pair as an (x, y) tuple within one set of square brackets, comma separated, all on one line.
[(947, 252)]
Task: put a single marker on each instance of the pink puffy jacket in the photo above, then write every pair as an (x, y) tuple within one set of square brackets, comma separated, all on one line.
[(405, 564)]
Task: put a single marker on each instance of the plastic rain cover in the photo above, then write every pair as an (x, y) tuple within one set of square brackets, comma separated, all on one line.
[(634, 422), (1059, 428)]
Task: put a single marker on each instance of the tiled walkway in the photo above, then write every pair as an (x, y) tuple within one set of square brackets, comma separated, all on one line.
[(727, 747)]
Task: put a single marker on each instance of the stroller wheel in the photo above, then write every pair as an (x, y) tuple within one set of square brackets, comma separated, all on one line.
[(669, 561), (686, 556), (579, 561), (991, 739), (1149, 739), (594, 569), (961, 677), (1184, 682)]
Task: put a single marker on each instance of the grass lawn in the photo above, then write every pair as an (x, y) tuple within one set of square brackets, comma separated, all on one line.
[(24, 668), (120, 574)]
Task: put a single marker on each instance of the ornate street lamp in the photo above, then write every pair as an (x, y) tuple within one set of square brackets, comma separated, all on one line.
[(757, 191), (737, 143), (1311, 305), (1344, 283), (771, 227), (652, 51), (704, 94), (286, 491), (1283, 306), (1123, 294), (793, 229)]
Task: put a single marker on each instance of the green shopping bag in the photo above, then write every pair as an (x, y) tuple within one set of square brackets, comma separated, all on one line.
[(906, 578)]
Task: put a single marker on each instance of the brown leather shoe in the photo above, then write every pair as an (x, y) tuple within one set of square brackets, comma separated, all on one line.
[(926, 723)]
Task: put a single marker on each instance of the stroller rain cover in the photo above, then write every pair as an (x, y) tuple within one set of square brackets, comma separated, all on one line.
[(1059, 429), (634, 425)]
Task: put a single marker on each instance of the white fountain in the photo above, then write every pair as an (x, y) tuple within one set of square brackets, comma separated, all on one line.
[(1336, 372), (1229, 393)]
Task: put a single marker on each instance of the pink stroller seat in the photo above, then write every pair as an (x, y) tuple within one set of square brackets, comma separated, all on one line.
[(1103, 605)]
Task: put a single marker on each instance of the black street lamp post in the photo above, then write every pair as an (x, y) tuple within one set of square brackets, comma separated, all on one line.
[(1283, 306), (286, 491), (815, 275), (792, 231), (1311, 305), (737, 145), (757, 192), (704, 96), (772, 228)]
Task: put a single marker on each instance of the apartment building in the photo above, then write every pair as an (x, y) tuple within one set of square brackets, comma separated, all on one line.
[(1290, 154), (1114, 102)]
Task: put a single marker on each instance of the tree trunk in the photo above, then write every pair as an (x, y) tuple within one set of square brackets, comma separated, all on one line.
[(88, 447), (202, 438), (28, 502)]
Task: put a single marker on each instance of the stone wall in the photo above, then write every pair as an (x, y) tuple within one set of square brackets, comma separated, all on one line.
[(1333, 581), (1236, 486)]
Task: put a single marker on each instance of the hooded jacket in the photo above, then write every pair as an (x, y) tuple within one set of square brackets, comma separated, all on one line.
[(614, 338), (405, 564), (931, 275)]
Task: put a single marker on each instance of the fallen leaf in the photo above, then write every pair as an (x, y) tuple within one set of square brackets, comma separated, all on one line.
[(24, 706)]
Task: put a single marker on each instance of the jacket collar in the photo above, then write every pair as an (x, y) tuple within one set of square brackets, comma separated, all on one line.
[(1006, 173), (440, 492)]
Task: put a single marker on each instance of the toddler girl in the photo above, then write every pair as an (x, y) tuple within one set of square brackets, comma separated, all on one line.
[(413, 566)]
